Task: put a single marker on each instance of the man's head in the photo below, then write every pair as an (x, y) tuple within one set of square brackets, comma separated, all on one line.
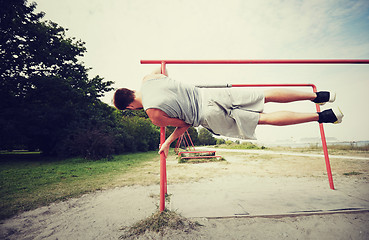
[(123, 97)]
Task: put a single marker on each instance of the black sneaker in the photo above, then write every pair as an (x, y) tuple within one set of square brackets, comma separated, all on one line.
[(324, 96), (333, 115)]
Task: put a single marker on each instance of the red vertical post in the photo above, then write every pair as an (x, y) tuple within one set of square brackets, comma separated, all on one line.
[(325, 149), (163, 71), (163, 163), (162, 172)]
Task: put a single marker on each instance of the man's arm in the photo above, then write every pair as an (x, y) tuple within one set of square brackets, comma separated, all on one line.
[(157, 71), (161, 119), (176, 134), (156, 74)]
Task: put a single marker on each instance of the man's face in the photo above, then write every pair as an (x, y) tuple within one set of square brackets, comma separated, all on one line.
[(134, 105)]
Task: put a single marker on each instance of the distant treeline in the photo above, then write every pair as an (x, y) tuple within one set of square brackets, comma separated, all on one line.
[(49, 103)]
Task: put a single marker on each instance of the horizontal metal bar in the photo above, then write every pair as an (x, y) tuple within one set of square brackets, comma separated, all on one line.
[(254, 85), (215, 86), (261, 61), (274, 85)]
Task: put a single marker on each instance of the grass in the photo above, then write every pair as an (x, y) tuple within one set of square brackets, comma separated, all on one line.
[(348, 150), (160, 222), (352, 173), (244, 145), (316, 147), (352, 147), (29, 182)]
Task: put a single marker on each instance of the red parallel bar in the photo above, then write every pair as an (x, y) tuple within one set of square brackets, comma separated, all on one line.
[(197, 157), (197, 152), (322, 134), (179, 153), (163, 178), (261, 61), (273, 85), (163, 164)]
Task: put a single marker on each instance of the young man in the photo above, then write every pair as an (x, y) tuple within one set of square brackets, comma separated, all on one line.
[(232, 112)]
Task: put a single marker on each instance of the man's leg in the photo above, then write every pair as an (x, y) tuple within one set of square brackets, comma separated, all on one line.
[(286, 95), (284, 118)]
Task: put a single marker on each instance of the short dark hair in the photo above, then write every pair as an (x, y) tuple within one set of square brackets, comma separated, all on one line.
[(123, 97)]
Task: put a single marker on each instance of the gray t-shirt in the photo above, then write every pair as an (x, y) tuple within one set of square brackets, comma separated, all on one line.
[(177, 99)]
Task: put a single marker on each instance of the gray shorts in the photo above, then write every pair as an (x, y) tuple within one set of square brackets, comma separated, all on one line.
[(231, 112)]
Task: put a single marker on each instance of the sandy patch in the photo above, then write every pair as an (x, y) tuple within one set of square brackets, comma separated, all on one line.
[(245, 186)]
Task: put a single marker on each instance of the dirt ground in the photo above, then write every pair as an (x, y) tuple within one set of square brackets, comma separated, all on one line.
[(271, 183)]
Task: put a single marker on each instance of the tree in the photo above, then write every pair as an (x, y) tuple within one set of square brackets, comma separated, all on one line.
[(220, 141), (194, 135), (206, 138), (45, 92)]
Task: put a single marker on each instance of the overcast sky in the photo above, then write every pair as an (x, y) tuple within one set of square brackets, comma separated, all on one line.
[(118, 33)]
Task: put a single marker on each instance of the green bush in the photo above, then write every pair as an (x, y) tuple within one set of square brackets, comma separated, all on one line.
[(206, 138), (220, 141), (90, 144), (140, 134), (228, 142)]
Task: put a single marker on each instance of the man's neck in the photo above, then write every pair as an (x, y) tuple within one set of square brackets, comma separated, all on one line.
[(138, 99)]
